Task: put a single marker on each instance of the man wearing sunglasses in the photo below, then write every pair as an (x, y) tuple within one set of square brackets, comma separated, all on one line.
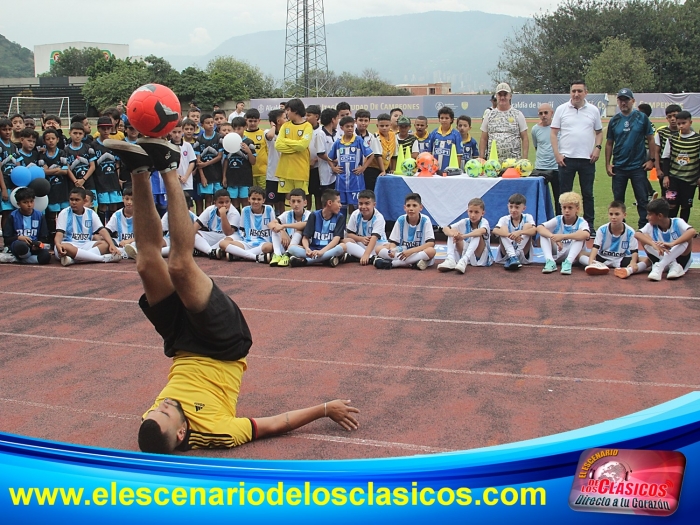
[(545, 164)]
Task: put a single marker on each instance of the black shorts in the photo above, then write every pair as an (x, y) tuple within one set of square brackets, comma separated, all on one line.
[(314, 182), (624, 263), (680, 192), (371, 176), (271, 192), (219, 331)]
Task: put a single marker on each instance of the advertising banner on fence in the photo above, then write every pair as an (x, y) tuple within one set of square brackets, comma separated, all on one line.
[(659, 102), (471, 105)]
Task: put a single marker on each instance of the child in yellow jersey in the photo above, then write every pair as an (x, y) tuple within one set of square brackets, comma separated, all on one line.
[(203, 330), (257, 136), (293, 145)]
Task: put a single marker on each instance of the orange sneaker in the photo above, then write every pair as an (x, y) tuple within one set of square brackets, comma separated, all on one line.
[(622, 273)]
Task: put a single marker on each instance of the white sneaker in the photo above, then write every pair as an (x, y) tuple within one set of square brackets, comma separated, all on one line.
[(447, 266), (67, 261), (131, 251), (461, 266), (655, 273), (421, 265), (675, 271), (597, 268), (112, 257), (7, 258)]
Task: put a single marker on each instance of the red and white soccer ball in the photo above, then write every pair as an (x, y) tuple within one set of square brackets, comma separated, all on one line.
[(154, 110)]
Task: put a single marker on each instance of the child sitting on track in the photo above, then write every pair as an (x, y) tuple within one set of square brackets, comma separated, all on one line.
[(289, 227), (216, 222), (322, 234), (516, 231), (255, 243), (476, 251), (615, 246), (568, 232), (25, 232), (668, 242), (366, 231), (412, 241)]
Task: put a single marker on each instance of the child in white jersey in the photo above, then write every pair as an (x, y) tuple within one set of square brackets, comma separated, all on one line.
[(614, 247), (121, 224), (516, 231), (216, 222), (468, 240), (567, 232), (366, 231), (667, 241), (255, 242), (288, 227)]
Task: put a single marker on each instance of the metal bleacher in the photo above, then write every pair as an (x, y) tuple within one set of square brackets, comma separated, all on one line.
[(44, 87)]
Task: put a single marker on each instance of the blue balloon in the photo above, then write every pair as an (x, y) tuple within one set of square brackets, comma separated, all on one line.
[(21, 176), (36, 172)]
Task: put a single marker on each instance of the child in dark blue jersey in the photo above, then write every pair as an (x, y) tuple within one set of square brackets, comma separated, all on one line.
[(322, 234), (441, 140), (28, 154), (209, 154), (470, 149), (53, 161), (25, 232), (80, 158), (238, 167), (8, 160), (109, 195)]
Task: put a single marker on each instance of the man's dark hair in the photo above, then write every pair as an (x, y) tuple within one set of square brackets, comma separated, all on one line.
[(362, 113), (446, 111), (346, 120), (297, 106), (329, 195), (578, 81), (327, 115), (238, 122), (252, 113), (340, 106), (645, 108), (274, 114), (314, 109), (684, 115), (152, 439), (659, 207), (673, 108), (413, 197)]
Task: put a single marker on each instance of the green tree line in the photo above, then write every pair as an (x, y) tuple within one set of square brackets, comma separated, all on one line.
[(647, 45), (225, 77)]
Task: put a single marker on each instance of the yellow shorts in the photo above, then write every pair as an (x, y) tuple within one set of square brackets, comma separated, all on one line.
[(259, 180), (287, 185)]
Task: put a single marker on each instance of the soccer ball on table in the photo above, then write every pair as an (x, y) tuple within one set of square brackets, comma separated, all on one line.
[(492, 168), (524, 167), (154, 110), (473, 168), (408, 166), (509, 163)]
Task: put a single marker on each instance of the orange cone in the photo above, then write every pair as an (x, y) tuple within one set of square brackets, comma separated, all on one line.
[(652, 175)]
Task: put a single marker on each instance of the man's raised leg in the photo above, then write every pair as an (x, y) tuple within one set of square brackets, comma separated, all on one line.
[(193, 286)]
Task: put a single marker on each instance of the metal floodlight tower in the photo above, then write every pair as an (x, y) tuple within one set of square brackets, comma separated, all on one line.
[(305, 58)]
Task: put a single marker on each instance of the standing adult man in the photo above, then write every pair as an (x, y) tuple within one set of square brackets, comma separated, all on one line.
[(545, 164), (240, 111), (577, 134), (627, 132), (506, 126)]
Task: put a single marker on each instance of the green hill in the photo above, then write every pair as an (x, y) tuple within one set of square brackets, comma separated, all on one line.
[(15, 60)]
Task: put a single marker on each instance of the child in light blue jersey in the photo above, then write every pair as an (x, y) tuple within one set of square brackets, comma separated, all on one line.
[(366, 233), (516, 231), (568, 232), (289, 226), (255, 242), (121, 225), (667, 241), (412, 241), (322, 235), (468, 240)]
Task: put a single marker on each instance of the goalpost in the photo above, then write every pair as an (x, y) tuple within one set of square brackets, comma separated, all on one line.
[(34, 106)]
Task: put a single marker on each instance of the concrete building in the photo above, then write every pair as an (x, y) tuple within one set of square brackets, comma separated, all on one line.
[(45, 55), (436, 88)]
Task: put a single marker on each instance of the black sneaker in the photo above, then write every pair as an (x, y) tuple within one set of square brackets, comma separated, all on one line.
[(382, 264), (214, 254), (295, 262), (264, 258), (197, 253), (333, 262), (164, 154), (133, 157), (347, 258)]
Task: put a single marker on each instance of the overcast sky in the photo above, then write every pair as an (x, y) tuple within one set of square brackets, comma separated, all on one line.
[(195, 27)]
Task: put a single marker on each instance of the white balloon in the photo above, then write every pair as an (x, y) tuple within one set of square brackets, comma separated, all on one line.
[(13, 200), (41, 203), (232, 143)]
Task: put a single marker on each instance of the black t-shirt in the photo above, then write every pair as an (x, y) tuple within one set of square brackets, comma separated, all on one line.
[(59, 183), (206, 148), (240, 170), (106, 175), (78, 160)]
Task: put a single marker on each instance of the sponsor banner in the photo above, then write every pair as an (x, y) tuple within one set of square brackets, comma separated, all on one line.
[(414, 106), (659, 102)]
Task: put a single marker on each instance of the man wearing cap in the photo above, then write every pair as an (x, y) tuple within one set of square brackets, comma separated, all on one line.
[(627, 132), (506, 127), (494, 102), (577, 134)]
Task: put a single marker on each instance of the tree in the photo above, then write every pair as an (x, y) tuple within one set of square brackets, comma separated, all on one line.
[(116, 81), (618, 66), (242, 81), (15, 60), (76, 62)]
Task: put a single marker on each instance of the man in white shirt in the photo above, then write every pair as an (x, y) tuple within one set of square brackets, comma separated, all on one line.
[(577, 134), (240, 111)]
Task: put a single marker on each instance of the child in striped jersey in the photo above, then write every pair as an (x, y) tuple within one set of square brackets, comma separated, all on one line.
[(568, 232), (614, 247), (516, 231), (216, 222), (412, 241), (475, 230), (421, 143), (680, 160), (366, 233), (667, 241), (121, 225), (288, 227), (255, 242), (165, 226)]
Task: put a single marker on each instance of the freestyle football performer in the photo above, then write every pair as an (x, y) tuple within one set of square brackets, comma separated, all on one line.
[(203, 330)]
